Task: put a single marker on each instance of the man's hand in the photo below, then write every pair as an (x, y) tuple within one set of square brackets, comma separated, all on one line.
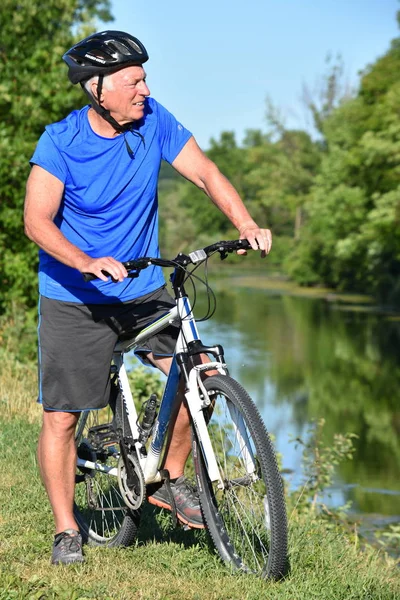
[(97, 265), (260, 239)]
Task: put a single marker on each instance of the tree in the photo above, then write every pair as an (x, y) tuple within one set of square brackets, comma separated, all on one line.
[(331, 92), (278, 178), (352, 238), (206, 218), (34, 91)]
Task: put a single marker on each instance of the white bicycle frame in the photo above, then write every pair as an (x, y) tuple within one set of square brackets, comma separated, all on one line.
[(182, 315)]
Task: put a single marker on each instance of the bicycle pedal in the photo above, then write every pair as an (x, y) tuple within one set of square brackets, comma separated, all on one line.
[(102, 428), (105, 441), (103, 435)]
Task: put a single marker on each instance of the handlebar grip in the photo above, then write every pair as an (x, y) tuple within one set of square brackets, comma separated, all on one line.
[(228, 246), (245, 244), (91, 276)]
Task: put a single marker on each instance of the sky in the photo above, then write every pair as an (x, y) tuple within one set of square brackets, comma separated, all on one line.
[(213, 63)]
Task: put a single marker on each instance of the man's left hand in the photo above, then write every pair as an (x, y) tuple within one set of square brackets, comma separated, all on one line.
[(260, 239)]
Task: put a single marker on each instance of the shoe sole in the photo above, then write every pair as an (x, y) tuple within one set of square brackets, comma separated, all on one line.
[(72, 560), (161, 504)]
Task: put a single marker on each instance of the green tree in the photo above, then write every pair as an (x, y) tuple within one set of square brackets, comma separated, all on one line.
[(331, 92), (351, 240), (34, 91), (207, 220), (278, 179)]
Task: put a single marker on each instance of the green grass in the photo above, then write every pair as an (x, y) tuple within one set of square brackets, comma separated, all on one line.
[(165, 564)]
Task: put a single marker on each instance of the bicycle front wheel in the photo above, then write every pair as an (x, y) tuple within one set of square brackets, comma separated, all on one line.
[(246, 517), (99, 507)]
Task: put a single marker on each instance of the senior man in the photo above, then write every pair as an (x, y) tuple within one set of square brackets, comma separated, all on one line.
[(91, 203)]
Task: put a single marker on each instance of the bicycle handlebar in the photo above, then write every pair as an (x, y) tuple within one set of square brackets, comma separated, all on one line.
[(181, 260)]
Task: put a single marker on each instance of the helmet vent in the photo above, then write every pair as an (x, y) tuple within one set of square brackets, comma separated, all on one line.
[(98, 54), (115, 44), (134, 46)]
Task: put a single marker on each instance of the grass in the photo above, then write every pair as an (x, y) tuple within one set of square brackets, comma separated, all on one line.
[(165, 564)]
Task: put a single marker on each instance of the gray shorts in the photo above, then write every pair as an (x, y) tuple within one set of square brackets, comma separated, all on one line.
[(76, 343)]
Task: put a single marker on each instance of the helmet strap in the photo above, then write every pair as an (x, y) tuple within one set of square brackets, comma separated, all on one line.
[(100, 81), (103, 112)]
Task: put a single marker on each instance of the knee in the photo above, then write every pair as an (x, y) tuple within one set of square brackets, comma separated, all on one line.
[(60, 424)]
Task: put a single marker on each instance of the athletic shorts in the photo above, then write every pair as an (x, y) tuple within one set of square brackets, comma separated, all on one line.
[(76, 343)]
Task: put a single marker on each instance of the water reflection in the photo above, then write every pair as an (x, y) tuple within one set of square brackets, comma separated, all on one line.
[(302, 359)]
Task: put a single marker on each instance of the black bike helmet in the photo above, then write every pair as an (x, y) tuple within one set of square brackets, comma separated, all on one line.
[(102, 53)]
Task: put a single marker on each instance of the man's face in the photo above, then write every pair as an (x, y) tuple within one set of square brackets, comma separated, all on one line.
[(125, 99)]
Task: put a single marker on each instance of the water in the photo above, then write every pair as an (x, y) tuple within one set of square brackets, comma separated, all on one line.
[(305, 358)]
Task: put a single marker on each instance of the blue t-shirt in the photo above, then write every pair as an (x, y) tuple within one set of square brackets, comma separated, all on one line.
[(109, 206)]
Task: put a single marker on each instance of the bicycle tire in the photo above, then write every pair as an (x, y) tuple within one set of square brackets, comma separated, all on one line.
[(247, 519), (99, 508)]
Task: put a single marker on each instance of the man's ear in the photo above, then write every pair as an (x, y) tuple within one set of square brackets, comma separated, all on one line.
[(93, 90)]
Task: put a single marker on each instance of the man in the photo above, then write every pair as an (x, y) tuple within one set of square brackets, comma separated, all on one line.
[(91, 203)]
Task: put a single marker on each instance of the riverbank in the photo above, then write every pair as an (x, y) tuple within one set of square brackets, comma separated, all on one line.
[(274, 281)]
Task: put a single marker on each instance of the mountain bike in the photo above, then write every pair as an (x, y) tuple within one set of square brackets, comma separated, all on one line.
[(120, 448)]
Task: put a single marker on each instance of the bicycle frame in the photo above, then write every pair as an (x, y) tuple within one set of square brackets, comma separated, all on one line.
[(182, 315)]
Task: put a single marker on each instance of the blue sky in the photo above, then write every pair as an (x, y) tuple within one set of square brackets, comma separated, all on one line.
[(213, 63)]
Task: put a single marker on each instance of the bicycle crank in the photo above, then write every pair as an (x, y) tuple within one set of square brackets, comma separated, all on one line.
[(131, 481)]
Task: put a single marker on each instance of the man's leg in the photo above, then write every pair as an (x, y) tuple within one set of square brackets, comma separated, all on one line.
[(57, 463), (178, 449), (180, 441), (72, 374)]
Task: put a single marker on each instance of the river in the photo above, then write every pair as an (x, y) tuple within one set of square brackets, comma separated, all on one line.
[(305, 358)]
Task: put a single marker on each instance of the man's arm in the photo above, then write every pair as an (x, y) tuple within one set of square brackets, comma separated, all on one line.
[(194, 165), (42, 201)]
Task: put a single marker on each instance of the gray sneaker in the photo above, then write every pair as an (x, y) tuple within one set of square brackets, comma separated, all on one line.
[(186, 501), (67, 548)]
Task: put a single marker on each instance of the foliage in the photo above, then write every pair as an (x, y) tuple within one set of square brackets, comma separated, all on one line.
[(176, 225), (331, 92), (273, 177), (389, 538), (320, 461), (204, 216), (145, 381), (18, 335), (351, 239), (34, 91), (279, 178), (337, 197)]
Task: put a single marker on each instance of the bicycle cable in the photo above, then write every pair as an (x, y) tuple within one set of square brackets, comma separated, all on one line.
[(211, 298)]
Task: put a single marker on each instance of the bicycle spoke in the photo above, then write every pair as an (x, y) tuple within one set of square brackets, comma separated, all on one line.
[(99, 506)]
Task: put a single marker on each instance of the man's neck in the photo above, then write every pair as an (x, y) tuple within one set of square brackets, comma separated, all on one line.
[(100, 125)]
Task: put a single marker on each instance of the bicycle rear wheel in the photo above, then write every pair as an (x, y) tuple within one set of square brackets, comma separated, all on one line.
[(247, 518), (99, 507)]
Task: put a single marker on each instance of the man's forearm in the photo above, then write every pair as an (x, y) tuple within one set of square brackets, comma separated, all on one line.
[(225, 197), (50, 239)]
